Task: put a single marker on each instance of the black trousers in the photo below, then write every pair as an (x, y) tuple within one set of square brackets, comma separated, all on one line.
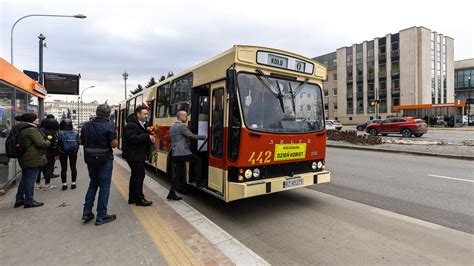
[(135, 187), (180, 167), (63, 158), (47, 170)]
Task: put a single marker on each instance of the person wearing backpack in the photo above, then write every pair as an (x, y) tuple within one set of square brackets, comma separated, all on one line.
[(30, 151), (99, 138), (68, 147)]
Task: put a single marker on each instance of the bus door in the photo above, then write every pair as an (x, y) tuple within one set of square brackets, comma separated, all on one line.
[(121, 124), (217, 138), (199, 125)]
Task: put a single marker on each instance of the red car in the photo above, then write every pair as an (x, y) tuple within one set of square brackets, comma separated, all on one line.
[(406, 126)]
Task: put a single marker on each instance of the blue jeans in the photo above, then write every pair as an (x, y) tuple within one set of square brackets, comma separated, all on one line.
[(100, 177), (27, 184)]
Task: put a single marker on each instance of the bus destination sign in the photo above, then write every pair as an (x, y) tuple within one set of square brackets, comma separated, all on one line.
[(283, 61)]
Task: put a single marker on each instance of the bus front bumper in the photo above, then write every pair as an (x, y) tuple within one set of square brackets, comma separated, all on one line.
[(276, 184)]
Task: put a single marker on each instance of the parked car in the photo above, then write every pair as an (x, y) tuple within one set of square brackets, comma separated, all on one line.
[(406, 126), (330, 125), (362, 126), (335, 123)]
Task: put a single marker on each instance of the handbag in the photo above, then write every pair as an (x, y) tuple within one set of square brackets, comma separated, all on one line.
[(95, 156)]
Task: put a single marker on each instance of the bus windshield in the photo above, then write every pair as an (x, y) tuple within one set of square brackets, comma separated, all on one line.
[(279, 105)]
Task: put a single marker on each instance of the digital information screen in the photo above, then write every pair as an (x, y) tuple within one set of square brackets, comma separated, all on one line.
[(59, 83)]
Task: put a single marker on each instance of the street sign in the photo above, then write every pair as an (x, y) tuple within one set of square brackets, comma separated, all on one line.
[(60, 83)]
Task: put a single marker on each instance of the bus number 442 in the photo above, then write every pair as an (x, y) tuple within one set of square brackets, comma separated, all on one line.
[(262, 157)]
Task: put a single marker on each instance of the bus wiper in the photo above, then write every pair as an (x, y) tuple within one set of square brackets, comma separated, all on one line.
[(292, 98), (277, 94), (299, 88)]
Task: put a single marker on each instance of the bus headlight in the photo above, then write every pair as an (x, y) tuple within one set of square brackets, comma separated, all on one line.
[(256, 173), (248, 173), (320, 165), (314, 165)]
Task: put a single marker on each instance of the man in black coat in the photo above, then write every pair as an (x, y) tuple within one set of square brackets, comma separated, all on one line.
[(136, 144)]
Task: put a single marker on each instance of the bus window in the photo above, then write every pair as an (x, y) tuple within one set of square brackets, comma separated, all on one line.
[(217, 136), (181, 94), (138, 101), (163, 100), (131, 106)]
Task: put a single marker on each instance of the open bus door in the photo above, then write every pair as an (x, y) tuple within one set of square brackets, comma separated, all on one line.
[(200, 125)]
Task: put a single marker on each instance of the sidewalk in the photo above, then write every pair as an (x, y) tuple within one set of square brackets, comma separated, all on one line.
[(167, 233)]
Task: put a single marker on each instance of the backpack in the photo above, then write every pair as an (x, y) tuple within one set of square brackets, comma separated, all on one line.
[(68, 141), (13, 146)]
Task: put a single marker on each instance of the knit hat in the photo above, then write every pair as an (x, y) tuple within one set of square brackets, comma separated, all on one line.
[(103, 110), (28, 117)]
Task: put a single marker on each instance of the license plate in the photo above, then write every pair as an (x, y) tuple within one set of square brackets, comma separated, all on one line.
[(293, 183)]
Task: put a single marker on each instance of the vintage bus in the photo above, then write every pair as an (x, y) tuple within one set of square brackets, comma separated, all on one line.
[(262, 110)]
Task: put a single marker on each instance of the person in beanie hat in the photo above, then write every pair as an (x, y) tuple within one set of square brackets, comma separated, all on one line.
[(32, 161), (99, 138), (50, 128)]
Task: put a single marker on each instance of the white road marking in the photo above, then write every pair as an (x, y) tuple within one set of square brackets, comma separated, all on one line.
[(452, 178), (406, 218)]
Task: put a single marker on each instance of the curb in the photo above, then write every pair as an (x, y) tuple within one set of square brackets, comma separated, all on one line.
[(237, 252), (446, 156)]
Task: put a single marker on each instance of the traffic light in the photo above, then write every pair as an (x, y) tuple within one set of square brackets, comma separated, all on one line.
[(374, 102)]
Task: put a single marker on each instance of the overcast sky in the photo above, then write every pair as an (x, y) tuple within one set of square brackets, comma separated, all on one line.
[(150, 38)]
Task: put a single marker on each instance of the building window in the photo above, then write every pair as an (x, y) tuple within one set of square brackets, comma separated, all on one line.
[(326, 93), (334, 92), (326, 106), (334, 76)]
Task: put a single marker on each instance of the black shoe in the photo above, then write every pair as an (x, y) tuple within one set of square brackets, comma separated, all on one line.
[(18, 204), (106, 219), (132, 201), (73, 186), (144, 202), (86, 217), (64, 187), (34, 204), (173, 197), (54, 175)]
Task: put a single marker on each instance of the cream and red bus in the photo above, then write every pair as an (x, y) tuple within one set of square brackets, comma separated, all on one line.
[(262, 110)]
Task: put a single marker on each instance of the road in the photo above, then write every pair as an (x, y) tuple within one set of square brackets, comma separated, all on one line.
[(437, 190), (307, 226)]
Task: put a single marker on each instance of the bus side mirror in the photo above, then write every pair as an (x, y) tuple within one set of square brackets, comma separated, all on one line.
[(230, 82)]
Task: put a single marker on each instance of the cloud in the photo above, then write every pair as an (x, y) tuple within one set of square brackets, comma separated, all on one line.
[(150, 38)]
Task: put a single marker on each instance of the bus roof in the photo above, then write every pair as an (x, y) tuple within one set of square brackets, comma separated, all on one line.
[(240, 55)]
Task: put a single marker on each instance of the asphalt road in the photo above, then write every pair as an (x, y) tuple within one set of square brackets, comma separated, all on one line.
[(433, 189), (307, 226)]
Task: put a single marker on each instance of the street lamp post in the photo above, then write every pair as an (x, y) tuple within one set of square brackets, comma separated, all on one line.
[(80, 16), (125, 77), (79, 113), (469, 99)]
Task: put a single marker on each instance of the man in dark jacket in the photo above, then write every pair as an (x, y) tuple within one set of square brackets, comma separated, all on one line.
[(99, 134), (137, 142), (32, 161)]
